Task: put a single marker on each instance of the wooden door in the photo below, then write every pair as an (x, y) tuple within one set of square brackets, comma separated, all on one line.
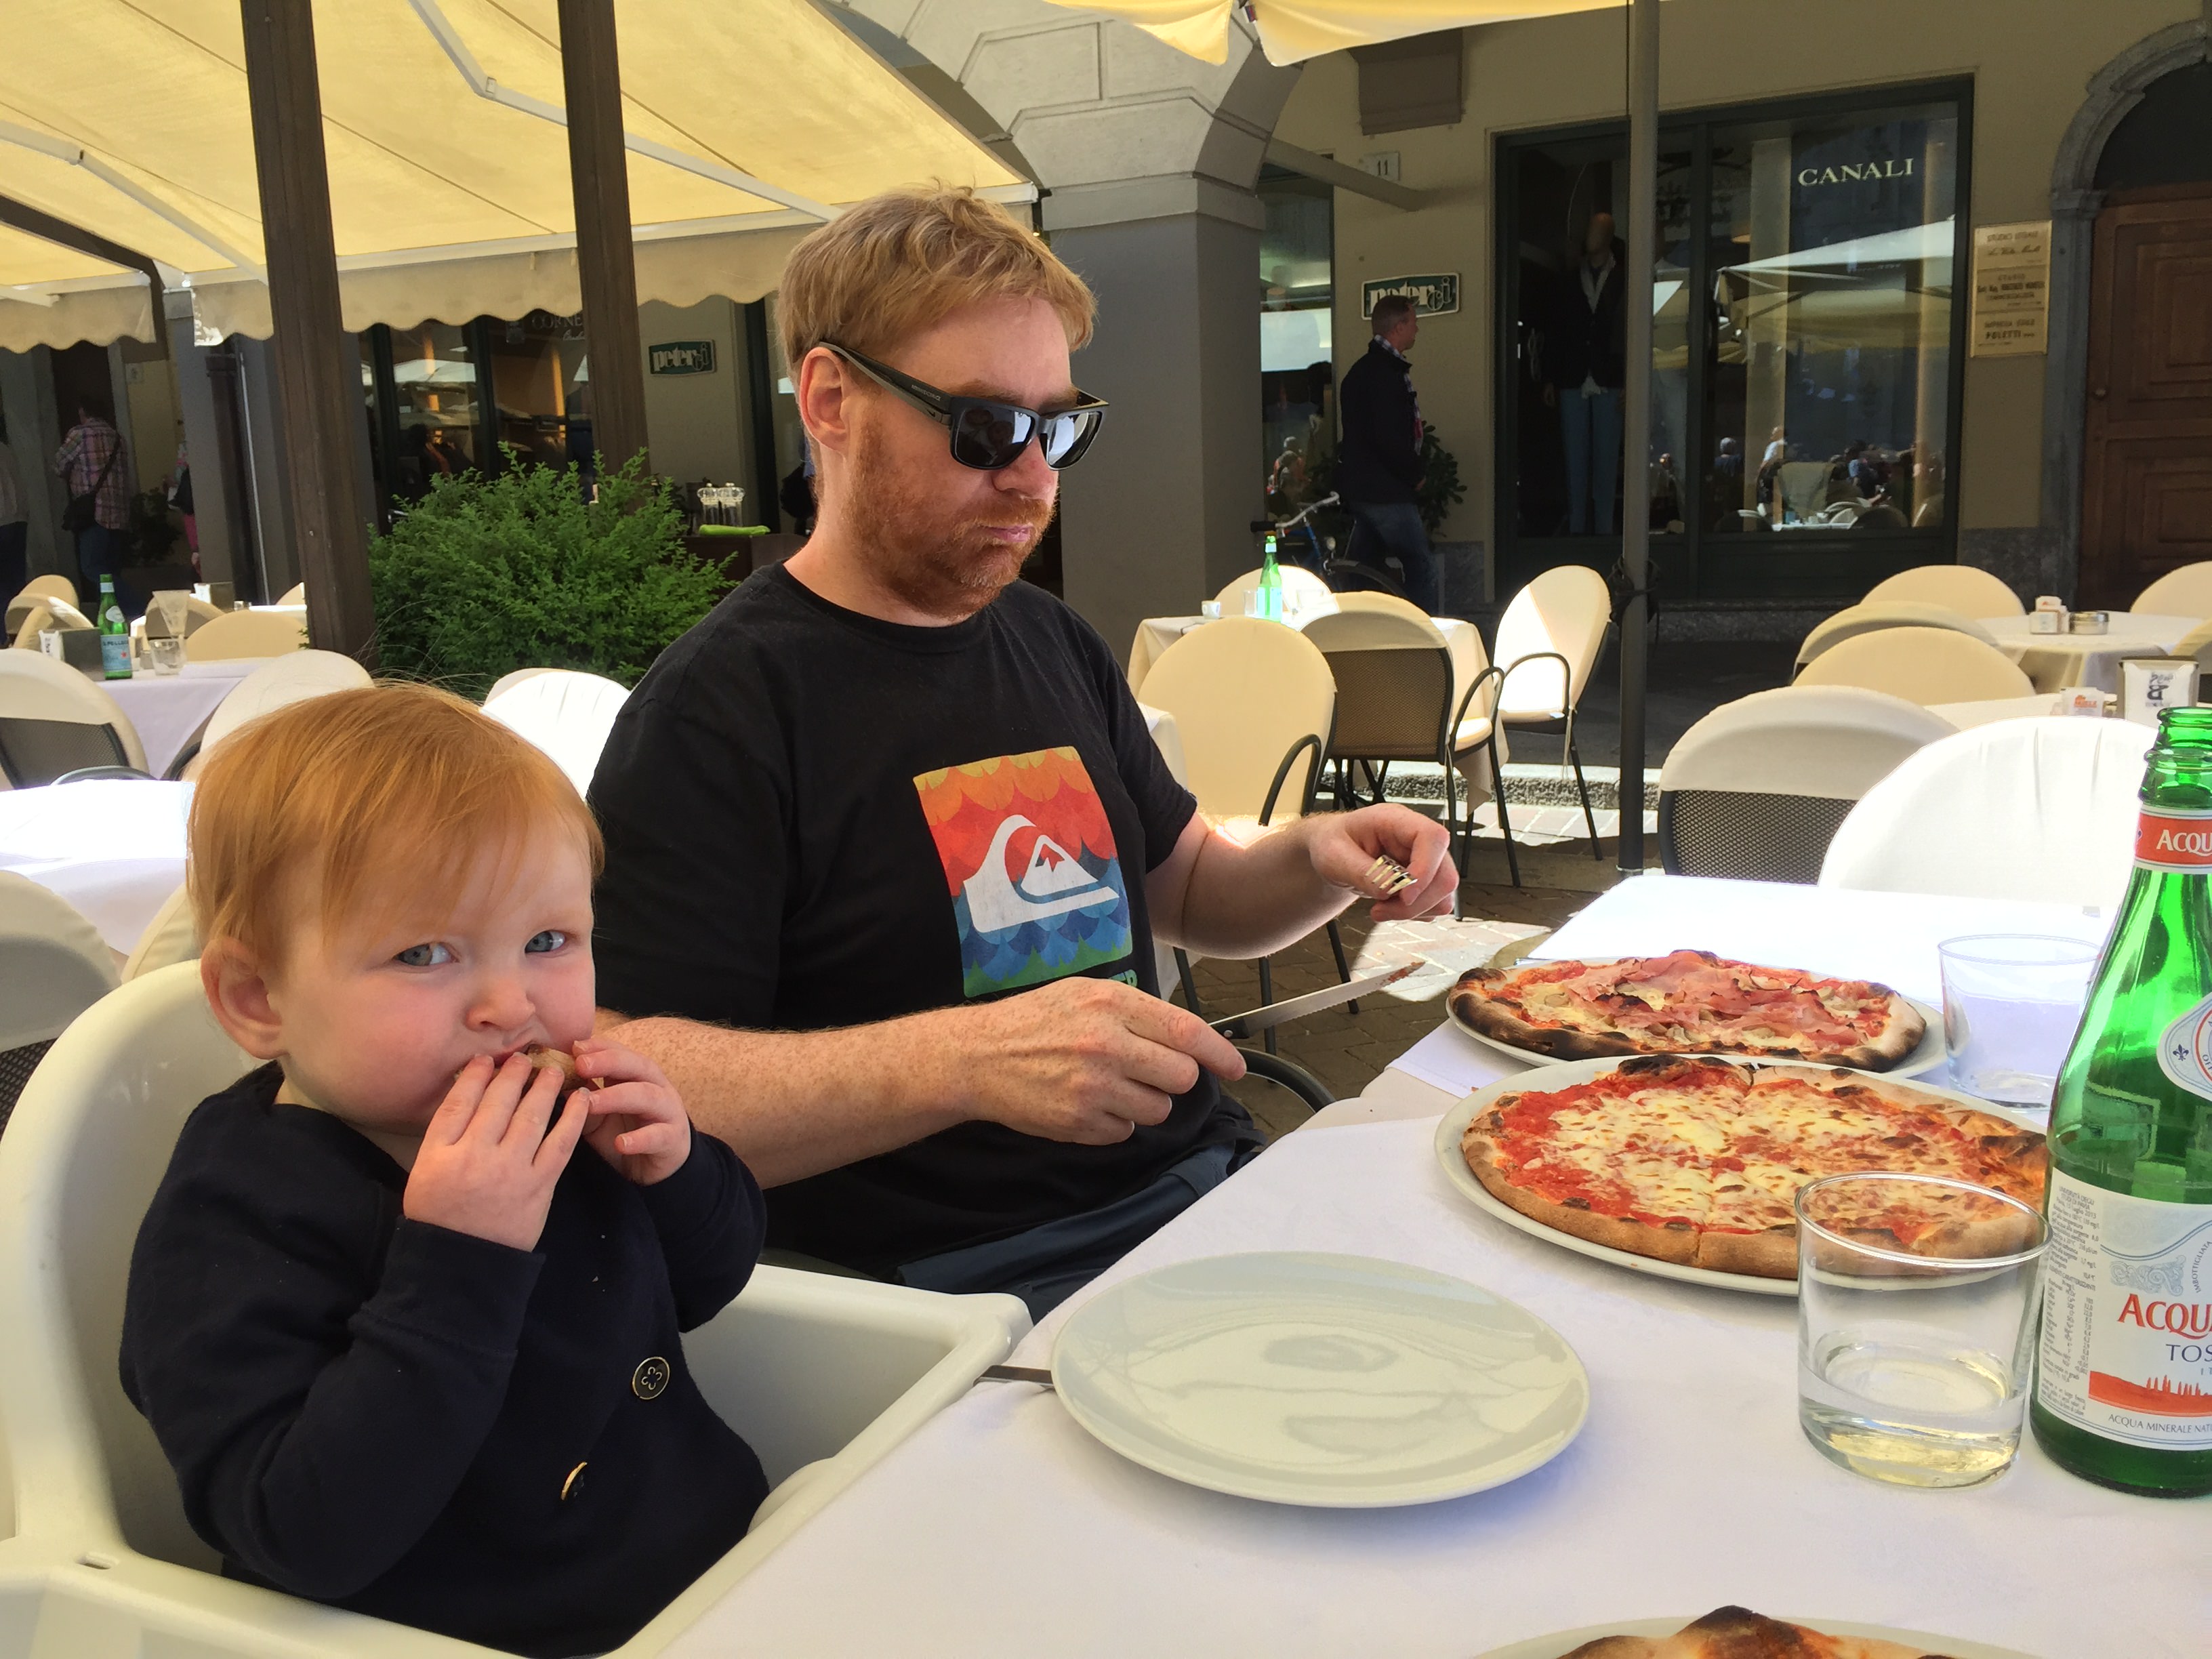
[(2147, 453)]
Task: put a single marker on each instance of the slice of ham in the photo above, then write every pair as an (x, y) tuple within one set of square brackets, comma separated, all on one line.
[(1720, 998)]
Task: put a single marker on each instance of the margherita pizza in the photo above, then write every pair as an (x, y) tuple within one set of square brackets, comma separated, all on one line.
[(1691, 1002), (1697, 1162), (1739, 1633)]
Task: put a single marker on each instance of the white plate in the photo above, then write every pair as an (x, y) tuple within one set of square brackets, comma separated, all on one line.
[(1927, 1057), (1453, 1124), (1566, 1641), (1336, 1382)]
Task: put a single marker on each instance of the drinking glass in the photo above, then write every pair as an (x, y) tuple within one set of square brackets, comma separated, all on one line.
[(1913, 1361), (2011, 1003), (167, 651)]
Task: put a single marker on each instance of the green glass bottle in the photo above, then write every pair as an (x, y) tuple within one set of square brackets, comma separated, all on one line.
[(1270, 582), (114, 634), (2123, 1385)]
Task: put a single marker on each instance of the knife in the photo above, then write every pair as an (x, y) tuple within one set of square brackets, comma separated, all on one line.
[(1259, 1019)]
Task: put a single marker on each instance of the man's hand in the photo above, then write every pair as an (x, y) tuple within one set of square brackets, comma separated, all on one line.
[(1082, 1060), (487, 1166), (1344, 847), (638, 1121)]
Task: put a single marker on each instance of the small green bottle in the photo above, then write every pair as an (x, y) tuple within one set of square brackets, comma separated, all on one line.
[(114, 634), (1270, 582), (2124, 1381)]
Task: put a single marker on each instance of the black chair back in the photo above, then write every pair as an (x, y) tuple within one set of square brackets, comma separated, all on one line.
[(38, 752), (1746, 837)]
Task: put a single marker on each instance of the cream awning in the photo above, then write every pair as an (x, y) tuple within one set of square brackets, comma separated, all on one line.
[(749, 121), (1292, 31), (51, 295)]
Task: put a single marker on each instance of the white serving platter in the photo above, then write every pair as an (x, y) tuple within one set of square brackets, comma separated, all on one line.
[(1565, 1642), (1929, 1056), (1331, 1381), (1564, 1074)]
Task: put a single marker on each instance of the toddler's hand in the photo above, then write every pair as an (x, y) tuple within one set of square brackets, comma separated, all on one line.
[(638, 1121), (487, 1166)]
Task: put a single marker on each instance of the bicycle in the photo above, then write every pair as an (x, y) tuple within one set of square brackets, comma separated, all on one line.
[(1320, 547)]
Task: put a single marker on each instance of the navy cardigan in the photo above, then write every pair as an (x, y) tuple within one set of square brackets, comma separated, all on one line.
[(502, 1445)]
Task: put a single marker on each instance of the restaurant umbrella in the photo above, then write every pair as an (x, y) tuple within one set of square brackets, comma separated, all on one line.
[(1292, 31)]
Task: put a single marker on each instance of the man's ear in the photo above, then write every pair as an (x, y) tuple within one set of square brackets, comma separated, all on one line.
[(825, 386), (237, 989)]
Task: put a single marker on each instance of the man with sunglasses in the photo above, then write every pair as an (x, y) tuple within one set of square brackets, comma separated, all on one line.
[(888, 840)]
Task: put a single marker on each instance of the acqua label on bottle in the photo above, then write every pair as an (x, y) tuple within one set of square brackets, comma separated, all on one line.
[(2170, 839), (2127, 1316)]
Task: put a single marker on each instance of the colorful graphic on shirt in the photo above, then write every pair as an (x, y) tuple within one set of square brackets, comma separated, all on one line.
[(1028, 862)]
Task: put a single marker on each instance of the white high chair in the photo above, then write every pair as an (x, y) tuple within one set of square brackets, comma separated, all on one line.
[(822, 1376)]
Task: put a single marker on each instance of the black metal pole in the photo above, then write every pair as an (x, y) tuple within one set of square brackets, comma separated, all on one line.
[(1636, 422)]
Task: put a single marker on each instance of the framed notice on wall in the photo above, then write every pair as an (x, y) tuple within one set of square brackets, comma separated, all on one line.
[(1436, 295), (682, 357), (2012, 289)]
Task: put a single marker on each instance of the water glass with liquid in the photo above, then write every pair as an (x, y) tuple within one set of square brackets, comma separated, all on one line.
[(1918, 1303)]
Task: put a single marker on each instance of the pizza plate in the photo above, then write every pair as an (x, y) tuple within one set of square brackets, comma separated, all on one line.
[(1930, 1054), (1565, 1074), (1561, 1643)]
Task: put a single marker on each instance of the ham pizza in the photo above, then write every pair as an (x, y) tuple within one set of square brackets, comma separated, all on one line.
[(1739, 1633), (1689, 1002), (1697, 1161)]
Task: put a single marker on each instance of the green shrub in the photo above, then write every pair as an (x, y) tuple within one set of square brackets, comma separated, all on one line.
[(486, 576), (1441, 490)]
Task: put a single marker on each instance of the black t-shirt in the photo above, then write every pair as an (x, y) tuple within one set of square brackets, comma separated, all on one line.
[(815, 819)]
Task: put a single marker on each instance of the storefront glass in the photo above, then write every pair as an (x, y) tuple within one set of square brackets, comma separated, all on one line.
[(1296, 382), (436, 407), (1803, 357), (543, 381)]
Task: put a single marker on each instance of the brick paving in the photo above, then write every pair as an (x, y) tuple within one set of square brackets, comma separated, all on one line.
[(1346, 1050)]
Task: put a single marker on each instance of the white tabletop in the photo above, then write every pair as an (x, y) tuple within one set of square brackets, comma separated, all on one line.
[(114, 849), (2055, 661), (169, 709), (1989, 711), (1000, 1529)]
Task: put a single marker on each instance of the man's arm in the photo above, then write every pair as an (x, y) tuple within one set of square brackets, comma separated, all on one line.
[(1222, 895), (1079, 1059)]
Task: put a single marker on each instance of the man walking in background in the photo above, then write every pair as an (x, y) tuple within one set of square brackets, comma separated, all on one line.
[(1378, 467), (15, 527), (92, 467)]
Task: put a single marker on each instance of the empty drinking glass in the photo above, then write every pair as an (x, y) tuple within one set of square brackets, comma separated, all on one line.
[(2011, 1003), (1917, 1298)]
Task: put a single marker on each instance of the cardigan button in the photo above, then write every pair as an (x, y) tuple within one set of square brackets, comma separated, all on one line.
[(650, 1380)]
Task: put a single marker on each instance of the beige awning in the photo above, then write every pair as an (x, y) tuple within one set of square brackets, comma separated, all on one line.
[(51, 295), (1292, 31), (749, 121)]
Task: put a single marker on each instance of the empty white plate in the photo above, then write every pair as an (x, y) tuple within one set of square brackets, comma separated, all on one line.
[(1334, 1381)]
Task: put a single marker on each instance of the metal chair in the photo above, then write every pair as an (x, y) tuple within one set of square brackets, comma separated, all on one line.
[(1921, 665), (1756, 789), (1349, 577), (245, 633), (54, 720), (564, 712), (2186, 592), (1287, 1074), (1962, 587), (1872, 616), (53, 966), (1549, 641)]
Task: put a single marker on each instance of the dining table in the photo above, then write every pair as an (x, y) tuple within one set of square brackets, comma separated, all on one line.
[(169, 710), (114, 847), (2055, 661), (1002, 1529)]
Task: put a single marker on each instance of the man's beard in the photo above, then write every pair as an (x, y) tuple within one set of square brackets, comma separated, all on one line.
[(941, 564)]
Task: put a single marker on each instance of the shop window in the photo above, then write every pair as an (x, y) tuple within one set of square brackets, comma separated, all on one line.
[(1296, 382), (436, 413), (1804, 355), (541, 378)]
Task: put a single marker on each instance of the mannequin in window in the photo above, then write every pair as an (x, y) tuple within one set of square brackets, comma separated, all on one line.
[(1588, 370)]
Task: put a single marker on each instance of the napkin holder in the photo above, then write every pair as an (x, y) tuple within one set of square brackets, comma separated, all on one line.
[(77, 646), (2047, 622), (224, 596), (2089, 622)]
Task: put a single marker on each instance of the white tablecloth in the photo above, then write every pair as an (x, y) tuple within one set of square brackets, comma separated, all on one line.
[(1000, 1529), (169, 709), (1992, 710), (2055, 661), (115, 849)]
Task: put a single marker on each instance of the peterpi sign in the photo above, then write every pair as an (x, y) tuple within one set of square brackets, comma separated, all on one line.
[(682, 357), (1436, 295)]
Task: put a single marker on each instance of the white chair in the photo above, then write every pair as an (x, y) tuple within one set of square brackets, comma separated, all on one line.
[(295, 594), (508, 681), (55, 721), (1313, 593), (1549, 641), (1925, 666), (236, 634), (35, 592), (1960, 587), (2026, 809), (1872, 616), (277, 683), (1254, 704), (566, 714), (1755, 790), (53, 966), (44, 613), (174, 936), (820, 1374), (2184, 592)]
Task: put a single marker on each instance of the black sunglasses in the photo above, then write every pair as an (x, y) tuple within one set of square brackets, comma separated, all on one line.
[(988, 434)]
